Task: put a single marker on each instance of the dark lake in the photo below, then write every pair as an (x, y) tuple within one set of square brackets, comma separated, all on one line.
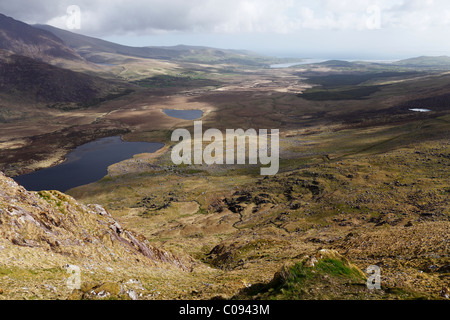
[(86, 164), (184, 114)]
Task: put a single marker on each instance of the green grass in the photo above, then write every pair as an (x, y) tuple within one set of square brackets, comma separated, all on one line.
[(21, 273), (54, 199), (329, 277), (337, 268), (5, 271), (406, 295), (202, 211), (301, 278)]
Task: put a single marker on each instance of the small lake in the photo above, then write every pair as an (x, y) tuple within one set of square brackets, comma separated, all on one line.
[(420, 110), (86, 164), (184, 114)]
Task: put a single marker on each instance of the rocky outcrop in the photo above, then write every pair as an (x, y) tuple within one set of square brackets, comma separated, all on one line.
[(54, 222)]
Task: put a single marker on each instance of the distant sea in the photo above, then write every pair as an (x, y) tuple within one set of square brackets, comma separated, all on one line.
[(291, 64)]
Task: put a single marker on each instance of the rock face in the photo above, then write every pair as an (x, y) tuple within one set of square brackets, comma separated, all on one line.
[(54, 223)]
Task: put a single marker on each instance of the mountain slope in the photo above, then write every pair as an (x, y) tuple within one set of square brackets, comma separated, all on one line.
[(92, 49), (88, 47), (46, 230), (40, 82), (35, 43)]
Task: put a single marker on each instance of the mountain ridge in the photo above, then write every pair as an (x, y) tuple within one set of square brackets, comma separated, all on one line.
[(23, 39), (91, 49)]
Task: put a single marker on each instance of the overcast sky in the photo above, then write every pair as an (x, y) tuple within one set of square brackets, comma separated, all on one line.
[(352, 29)]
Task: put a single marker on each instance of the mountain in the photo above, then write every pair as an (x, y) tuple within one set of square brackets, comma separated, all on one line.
[(90, 47), (23, 39), (93, 50), (38, 67)]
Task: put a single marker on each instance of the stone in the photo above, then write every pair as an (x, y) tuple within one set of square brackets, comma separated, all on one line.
[(132, 294), (444, 269), (445, 293)]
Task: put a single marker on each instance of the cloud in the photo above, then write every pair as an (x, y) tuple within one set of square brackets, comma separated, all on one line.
[(138, 17)]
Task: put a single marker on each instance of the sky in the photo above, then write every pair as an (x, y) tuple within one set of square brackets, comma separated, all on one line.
[(329, 29)]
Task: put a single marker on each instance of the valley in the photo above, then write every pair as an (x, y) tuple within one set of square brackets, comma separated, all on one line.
[(363, 177)]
